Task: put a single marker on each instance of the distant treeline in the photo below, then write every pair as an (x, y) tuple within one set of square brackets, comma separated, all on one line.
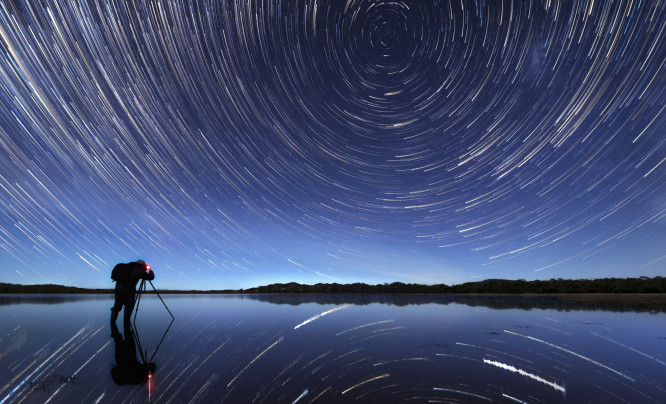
[(606, 285), (491, 286), (48, 289)]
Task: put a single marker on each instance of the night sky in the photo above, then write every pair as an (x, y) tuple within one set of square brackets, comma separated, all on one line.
[(232, 144)]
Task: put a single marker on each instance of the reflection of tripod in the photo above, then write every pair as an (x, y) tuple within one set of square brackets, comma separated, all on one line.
[(137, 300)]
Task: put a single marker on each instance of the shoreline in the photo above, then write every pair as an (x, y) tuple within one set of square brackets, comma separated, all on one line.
[(653, 303), (582, 296), (581, 289)]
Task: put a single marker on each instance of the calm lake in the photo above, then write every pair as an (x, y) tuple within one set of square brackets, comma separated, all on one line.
[(328, 349)]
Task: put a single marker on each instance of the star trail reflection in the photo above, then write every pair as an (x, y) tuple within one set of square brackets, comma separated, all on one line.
[(240, 349), (366, 140)]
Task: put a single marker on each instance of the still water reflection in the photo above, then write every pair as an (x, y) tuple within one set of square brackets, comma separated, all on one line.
[(329, 349)]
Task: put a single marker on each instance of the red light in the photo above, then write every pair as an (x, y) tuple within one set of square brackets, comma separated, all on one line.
[(150, 389), (147, 267)]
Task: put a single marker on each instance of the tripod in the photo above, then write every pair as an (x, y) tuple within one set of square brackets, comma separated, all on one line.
[(137, 300)]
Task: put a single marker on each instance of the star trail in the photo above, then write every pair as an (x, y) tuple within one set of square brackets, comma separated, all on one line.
[(232, 144)]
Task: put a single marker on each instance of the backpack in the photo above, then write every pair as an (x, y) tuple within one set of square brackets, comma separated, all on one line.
[(122, 273)]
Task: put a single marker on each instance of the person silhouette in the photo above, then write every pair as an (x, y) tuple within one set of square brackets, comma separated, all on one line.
[(128, 369), (126, 277)]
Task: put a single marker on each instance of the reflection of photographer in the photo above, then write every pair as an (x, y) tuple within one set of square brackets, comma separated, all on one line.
[(128, 369), (126, 277)]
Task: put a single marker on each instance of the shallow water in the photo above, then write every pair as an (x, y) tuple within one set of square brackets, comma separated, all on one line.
[(329, 349)]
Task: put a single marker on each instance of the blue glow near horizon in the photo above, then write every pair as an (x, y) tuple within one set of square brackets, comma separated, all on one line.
[(399, 141)]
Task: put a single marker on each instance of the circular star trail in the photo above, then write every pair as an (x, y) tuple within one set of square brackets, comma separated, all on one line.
[(237, 143)]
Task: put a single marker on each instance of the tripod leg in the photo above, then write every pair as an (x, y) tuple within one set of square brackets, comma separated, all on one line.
[(158, 295), (137, 342), (137, 299), (160, 343)]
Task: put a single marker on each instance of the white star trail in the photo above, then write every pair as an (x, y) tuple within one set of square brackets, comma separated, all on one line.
[(313, 318), (574, 354), (237, 142), (521, 372), (402, 348), (41, 365), (372, 379), (254, 360)]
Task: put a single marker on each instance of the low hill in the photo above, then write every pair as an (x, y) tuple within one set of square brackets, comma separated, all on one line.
[(642, 285), (48, 289), (495, 286)]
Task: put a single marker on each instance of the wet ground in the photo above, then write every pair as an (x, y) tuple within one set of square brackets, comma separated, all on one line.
[(328, 349)]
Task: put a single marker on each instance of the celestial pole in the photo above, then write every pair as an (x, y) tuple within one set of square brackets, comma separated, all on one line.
[(232, 144)]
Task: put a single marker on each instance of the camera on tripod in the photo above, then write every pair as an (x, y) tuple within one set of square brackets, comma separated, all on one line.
[(141, 290), (137, 301)]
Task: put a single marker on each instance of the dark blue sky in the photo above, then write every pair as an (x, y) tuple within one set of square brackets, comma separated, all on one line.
[(233, 144)]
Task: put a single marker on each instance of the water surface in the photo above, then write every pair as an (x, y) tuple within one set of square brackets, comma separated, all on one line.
[(328, 349)]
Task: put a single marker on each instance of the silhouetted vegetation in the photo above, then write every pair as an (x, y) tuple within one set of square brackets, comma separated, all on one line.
[(48, 289), (495, 286), (489, 286), (629, 294)]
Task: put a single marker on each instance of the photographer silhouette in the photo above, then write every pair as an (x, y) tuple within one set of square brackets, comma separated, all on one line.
[(128, 369), (126, 277)]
